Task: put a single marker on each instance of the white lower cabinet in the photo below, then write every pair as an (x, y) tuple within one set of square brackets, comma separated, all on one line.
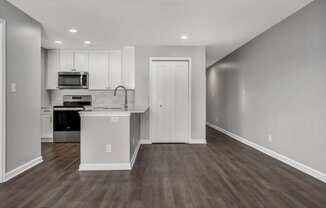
[(46, 124)]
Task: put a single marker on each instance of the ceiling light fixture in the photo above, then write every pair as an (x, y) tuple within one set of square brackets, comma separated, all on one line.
[(87, 42), (72, 30), (184, 37), (58, 42)]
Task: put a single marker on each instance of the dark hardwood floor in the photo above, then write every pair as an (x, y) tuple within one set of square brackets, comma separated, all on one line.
[(223, 173)]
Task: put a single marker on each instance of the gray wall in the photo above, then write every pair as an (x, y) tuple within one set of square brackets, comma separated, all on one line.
[(24, 69), (198, 83), (276, 84)]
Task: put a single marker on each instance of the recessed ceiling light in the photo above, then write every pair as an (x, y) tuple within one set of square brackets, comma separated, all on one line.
[(73, 30), (87, 42), (58, 42), (184, 37)]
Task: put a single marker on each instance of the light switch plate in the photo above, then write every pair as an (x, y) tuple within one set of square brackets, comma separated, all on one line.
[(13, 87), (108, 148)]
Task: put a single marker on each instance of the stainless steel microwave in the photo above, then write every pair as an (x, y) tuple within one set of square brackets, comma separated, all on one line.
[(73, 80)]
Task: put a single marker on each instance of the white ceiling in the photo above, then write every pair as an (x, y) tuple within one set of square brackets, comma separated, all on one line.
[(221, 25)]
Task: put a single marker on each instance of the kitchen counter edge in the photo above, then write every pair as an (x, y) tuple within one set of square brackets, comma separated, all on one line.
[(108, 112)]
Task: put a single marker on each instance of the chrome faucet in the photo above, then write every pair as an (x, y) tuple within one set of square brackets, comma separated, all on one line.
[(126, 94)]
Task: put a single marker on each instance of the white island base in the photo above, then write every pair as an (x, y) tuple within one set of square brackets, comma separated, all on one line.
[(110, 140)]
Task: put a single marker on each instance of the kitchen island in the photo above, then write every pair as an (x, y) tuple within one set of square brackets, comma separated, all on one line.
[(110, 138)]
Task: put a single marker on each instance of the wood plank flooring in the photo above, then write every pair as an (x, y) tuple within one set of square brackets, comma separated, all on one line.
[(221, 174)]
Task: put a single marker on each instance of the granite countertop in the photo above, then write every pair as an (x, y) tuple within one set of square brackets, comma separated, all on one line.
[(113, 111)]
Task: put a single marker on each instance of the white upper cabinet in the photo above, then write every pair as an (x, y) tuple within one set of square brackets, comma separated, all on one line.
[(107, 69), (128, 67), (66, 60), (52, 69), (74, 60), (81, 61), (98, 70), (115, 73)]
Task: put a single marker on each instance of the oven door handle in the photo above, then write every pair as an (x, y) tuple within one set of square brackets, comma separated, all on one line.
[(69, 109)]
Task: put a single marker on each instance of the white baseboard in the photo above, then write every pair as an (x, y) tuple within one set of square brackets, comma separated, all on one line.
[(28, 165), (306, 169), (197, 141), (134, 156), (104, 166), (191, 141), (47, 140), (145, 141)]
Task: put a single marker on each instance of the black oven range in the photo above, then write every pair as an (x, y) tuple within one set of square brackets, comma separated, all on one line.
[(66, 119)]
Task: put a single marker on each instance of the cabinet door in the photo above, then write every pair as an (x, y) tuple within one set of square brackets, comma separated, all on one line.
[(128, 67), (67, 60), (115, 68), (160, 99), (52, 69), (81, 61), (98, 70), (46, 126)]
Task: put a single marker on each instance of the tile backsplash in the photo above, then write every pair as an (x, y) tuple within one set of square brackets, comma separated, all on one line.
[(99, 98)]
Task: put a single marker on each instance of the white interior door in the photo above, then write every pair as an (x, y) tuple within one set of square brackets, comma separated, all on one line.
[(169, 110), (160, 103), (2, 101), (181, 100)]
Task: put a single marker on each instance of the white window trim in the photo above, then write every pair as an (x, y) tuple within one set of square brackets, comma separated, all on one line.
[(3, 102)]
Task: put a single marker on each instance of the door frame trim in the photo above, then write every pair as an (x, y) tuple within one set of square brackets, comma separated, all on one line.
[(151, 59), (3, 103)]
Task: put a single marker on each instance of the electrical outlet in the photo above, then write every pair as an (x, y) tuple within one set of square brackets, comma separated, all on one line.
[(108, 148), (217, 120), (270, 138)]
